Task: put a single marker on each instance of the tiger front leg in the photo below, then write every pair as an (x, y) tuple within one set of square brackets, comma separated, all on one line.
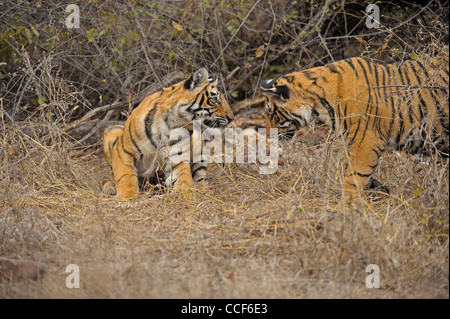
[(362, 161), (178, 168), (199, 173), (183, 175), (179, 176)]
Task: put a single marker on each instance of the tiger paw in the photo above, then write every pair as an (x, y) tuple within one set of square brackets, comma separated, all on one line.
[(357, 204), (109, 188), (127, 194), (186, 190), (355, 200), (183, 188)]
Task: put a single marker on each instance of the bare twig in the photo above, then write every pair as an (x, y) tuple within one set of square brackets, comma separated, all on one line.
[(95, 129), (144, 49), (167, 80), (235, 33)]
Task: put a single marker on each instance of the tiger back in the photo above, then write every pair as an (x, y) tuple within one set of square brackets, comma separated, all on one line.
[(142, 146), (374, 107)]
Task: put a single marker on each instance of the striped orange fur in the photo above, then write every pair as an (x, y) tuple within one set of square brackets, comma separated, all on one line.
[(140, 147), (374, 107)]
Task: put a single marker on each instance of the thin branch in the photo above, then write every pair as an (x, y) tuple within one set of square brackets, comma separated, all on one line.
[(381, 31), (95, 129), (267, 49), (235, 33), (144, 49), (4, 168), (167, 80)]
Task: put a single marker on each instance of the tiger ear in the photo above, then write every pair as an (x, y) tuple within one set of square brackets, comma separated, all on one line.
[(213, 80), (267, 86), (197, 80)]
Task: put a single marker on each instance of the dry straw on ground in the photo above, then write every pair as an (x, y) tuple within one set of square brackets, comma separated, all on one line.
[(245, 235)]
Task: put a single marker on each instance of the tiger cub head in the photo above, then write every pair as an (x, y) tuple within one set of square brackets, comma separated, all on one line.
[(203, 100), (289, 106)]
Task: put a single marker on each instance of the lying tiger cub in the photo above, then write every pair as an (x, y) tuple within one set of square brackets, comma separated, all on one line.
[(137, 149)]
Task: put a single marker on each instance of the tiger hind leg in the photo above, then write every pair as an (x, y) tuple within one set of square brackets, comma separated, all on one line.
[(362, 161), (122, 165), (125, 175)]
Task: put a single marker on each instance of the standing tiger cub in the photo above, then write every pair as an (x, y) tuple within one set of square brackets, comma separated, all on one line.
[(374, 107), (142, 146)]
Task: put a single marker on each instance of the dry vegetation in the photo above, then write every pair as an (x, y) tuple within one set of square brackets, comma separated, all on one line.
[(244, 235)]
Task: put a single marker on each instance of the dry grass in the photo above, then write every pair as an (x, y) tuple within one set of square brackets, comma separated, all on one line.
[(245, 235)]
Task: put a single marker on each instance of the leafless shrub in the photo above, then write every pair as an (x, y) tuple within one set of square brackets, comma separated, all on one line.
[(246, 235)]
